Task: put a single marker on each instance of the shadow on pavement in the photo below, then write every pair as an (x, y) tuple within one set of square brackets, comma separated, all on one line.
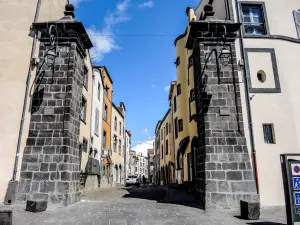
[(265, 223), (162, 195)]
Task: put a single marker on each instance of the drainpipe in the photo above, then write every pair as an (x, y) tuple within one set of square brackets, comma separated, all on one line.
[(248, 103), (26, 93)]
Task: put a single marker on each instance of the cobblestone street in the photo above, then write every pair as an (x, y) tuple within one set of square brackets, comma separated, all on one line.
[(136, 206)]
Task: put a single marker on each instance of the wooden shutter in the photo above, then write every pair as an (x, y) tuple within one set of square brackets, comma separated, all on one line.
[(297, 21)]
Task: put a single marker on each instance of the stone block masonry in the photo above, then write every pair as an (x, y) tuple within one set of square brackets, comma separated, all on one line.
[(223, 168), (51, 165)]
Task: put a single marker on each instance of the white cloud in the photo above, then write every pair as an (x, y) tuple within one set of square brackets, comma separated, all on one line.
[(148, 4), (167, 88), (143, 147), (153, 86), (123, 6), (76, 2), (104, 40), (145, 132)]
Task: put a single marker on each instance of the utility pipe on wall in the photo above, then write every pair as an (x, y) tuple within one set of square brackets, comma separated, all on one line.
[(247, 97), (26, 93)]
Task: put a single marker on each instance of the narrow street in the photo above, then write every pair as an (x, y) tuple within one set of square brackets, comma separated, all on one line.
[(137, 206)]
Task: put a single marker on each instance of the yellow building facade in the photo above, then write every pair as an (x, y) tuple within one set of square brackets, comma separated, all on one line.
[(185, 95), (167, 154)]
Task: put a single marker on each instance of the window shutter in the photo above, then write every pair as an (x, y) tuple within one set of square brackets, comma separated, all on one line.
[(297, 21)]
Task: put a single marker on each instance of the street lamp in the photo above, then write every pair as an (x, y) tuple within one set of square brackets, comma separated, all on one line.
[(225, 56)]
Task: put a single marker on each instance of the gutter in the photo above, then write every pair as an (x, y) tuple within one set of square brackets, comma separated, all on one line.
[(26, 93), (247, 97)]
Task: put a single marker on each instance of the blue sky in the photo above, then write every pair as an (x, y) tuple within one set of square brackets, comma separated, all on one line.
[(134, 39)]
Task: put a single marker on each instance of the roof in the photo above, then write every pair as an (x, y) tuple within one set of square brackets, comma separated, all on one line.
[(103, 67), (123, 105), (118, 110), (173, 83), (165, 116), (180, 36)]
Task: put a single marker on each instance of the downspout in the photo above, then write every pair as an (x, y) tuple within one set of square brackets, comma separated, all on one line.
[(247, 97), (26, 93)]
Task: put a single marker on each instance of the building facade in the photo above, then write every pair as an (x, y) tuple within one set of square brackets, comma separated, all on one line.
[(142, 166), (118, 143), (127, 152), (167, 153), (268, 84), (156, 146), (24, 48), (133, 163), (150, 157), (106, 167)]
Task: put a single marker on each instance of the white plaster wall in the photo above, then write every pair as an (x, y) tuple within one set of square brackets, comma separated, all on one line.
[(127, 149), (97, 103), (16, 18), (281, 109)]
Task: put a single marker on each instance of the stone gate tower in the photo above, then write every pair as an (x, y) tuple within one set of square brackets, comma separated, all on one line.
[(224, 174), (50, 165)]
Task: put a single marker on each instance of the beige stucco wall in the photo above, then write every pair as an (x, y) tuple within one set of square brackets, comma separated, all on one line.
[(117, 157), (85, 126), (16, 18)]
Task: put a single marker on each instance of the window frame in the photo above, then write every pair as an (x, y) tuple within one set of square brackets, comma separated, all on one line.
[(273, 138), (96, 131), (83, 117), (297, 26), (85, 77), (178, 89), (177, 61), (174, 104), (104, 140), (262, 5), (99, 91), (193, 94), (116, 124), (180, 125), (176, 127), (85, 147), (105, 113), (167, 147)]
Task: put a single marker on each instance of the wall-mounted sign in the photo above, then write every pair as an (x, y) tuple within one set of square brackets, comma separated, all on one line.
[(295, 169), (296, 183)]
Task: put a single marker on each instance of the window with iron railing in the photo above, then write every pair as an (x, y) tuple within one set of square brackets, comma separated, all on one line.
[(253, 20)]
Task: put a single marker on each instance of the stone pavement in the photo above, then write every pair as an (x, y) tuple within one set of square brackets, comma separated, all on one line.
[(136, 206)]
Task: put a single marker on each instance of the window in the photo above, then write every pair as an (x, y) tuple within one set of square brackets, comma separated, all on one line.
[(161, 134), (99, 89), (162, 151), (116, 124), (85, 77), (261, 76), (167, 146), (106, 90), (83, 109), (167, 126), (297, 21), (120, 132), (84, 145), (178, 89), (253, 19), (175, 104), (191, 61), (193, 95), (177, 61), (180, 125), (115, 143), (104, 140), (269, 134), (105, 113), (176, 127), (120, 146), (97, 122)]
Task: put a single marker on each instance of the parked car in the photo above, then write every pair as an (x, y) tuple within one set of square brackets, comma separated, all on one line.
[(132, 180)]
